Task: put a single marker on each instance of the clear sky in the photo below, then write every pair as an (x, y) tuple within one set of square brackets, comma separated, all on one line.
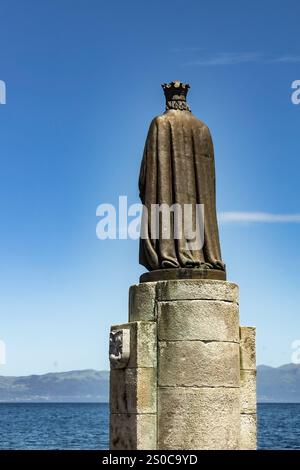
[(83, 83)]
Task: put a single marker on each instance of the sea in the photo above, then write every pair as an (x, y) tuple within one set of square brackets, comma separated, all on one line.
[(85, 426)]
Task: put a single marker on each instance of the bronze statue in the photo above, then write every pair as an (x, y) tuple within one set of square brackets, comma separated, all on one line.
[(178, 168)]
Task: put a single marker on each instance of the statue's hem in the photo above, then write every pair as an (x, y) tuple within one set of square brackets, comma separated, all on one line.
[(183, 273)]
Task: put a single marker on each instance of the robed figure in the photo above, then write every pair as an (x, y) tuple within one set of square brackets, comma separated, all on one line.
[(178, 168)]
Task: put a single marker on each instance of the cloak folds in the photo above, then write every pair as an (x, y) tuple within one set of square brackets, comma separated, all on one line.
[(178, 168)]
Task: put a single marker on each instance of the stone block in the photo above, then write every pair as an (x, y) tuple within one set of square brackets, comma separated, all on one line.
[(248, 391), (133, 390), (142, 302), (132, 431), (143, 343), (198, 418), (198, 320), (197, 363), (248, 432), (199, 289), (247, 351)]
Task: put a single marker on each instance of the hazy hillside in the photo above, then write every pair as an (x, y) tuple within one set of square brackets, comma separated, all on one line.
[(274, 384), (279, 384), (74, 386)]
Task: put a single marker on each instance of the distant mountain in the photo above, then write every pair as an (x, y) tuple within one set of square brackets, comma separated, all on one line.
[(274, 385), (74, 386), (278, 384)]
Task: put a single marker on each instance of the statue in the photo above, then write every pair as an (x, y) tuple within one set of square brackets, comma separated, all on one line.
[(178, 168)]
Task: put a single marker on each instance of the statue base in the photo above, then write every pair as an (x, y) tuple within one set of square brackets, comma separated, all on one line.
[(183, 273), (183, 372)]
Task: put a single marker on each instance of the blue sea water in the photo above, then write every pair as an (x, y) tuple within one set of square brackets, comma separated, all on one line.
[(85, 426), (53, 426), (279, 426)]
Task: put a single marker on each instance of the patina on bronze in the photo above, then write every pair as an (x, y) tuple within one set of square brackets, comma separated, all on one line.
[(178, 168)]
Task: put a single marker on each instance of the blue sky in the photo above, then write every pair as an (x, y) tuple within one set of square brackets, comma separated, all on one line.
[(83, 83)]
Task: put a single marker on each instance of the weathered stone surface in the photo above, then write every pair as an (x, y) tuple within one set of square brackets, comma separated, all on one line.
[(143, 343), (195, 377), (132, 431), (248, 432), (142, 302), (133, 390), (248, 391), (198, 320), (197, 290), (198, 418), (247, 351), (197, 363)]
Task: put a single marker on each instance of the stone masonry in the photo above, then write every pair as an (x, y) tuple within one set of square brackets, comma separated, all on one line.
[(189, 379)]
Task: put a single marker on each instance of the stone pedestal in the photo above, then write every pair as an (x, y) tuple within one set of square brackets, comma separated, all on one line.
[(182, 370)]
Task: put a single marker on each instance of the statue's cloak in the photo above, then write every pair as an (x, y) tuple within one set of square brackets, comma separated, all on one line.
[(178, 168)]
